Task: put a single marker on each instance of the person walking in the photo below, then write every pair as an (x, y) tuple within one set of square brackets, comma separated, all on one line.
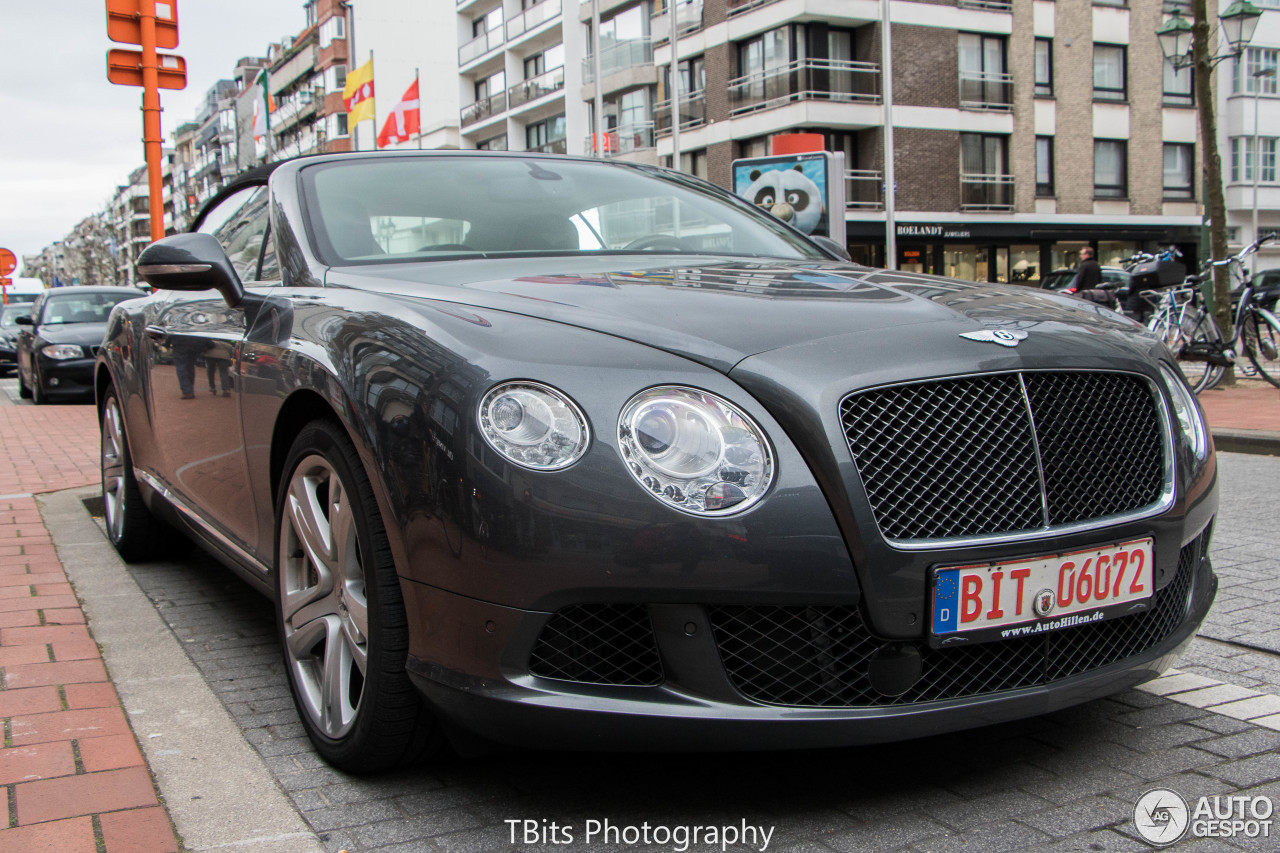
[(1088, 274)]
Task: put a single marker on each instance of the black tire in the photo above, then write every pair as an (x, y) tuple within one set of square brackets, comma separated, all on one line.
[(1200, 327), (1261, 341), (138, 536), (38, 395), (23, 391), (342, 599)]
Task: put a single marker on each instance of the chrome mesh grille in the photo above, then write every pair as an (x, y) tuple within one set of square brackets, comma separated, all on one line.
[(958, 457), (1099, 443), (818, 656), (598, 644)]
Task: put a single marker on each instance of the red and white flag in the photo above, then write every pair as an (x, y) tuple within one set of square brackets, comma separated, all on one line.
[(404, 121)]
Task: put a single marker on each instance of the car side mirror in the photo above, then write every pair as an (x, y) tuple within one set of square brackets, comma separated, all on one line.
[(191, 262), (831, 246), (24, 320)]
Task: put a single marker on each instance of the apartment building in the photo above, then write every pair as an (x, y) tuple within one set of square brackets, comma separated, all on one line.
[(305, 79), (1248, 91), (1023, 130)]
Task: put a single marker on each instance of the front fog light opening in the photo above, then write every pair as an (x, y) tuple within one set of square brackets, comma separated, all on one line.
[(695, 451), (1186, 413), (534, 425)]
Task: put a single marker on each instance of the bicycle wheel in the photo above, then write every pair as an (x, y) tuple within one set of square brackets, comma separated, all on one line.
[(1198, 327), (1261, 341)]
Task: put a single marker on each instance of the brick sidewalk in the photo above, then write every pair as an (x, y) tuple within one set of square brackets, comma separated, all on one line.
[(74, 777), (1247, 406)]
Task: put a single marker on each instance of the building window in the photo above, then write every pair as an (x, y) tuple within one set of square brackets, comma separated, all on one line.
[(1110, 168), (335, 78), (691, 163), (336, 125), (1243, 160), (544, 134), (1109, 72), (985, 182), (1044, 68), (487, 22), (333, 28), (984, 82), (757, 147), (1111, 2), (1249, 71), (1179, 88), (494, 143), (540, 63), (490, 86), (1044, 165), (1179, 163), (765, 52)]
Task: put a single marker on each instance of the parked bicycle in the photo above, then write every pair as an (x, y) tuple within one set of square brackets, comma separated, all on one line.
[(1184, 321)]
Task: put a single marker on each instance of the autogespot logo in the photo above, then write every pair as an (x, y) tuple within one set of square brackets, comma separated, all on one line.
[(1161, 817)]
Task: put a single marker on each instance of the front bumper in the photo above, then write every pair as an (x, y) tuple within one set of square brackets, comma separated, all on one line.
[(72, 378), (471, 660)]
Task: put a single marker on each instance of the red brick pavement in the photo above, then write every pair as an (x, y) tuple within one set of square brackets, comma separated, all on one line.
[(1252, 405), (72, 774)]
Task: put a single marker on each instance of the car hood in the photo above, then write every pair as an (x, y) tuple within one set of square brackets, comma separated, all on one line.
[(728, 311), (84, 334)]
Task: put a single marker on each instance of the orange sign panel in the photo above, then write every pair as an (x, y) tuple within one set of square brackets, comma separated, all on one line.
[(124, 23), (8, 263), (124, 68)]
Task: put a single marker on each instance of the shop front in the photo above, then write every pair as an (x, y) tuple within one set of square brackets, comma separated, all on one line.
[(1020, 253)]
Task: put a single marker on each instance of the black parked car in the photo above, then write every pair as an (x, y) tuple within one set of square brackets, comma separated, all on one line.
[(566, 452), (58, 338), (9, 315)]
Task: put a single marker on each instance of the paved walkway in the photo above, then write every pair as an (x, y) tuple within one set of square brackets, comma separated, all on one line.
[(1244, 417), (74, 778)]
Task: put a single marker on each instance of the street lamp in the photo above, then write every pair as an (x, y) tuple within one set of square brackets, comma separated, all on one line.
[(1186, 44)]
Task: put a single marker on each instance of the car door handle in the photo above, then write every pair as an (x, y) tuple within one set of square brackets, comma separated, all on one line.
[(156, 333)]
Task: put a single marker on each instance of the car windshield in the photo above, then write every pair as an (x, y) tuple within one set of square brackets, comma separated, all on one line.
[(80, 307), (424, 208)]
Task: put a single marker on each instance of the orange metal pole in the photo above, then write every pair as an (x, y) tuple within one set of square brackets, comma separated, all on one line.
[(151, 138)]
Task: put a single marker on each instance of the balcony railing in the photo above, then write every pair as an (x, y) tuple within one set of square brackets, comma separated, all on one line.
[(737, 7), (688, 16), (986, 192), (863, 189), (987, 5), (805, 80), (483, 108), (624, 139), (479, 46), (986, 90), (619, 57), (555, 146), (536, 87), (693, 112), (532, 17)]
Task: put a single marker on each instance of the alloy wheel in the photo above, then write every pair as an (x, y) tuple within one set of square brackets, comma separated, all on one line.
[(113, 483), (322, 596)]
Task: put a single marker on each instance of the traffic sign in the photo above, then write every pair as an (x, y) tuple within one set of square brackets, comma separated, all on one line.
[(124, 22), (124, 68), (8, 263)]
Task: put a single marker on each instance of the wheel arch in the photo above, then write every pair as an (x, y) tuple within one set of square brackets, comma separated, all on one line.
[(301, 408)]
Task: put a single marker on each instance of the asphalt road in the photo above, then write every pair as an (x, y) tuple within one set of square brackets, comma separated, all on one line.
[(1066, 781)]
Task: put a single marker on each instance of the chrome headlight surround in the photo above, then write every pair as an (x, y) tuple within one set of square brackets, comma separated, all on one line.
[(533, 425), (695, 451), (1186, 412), (62, 352)]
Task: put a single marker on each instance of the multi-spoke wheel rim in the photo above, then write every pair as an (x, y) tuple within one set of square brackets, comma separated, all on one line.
[(113, 470), (322, 596)]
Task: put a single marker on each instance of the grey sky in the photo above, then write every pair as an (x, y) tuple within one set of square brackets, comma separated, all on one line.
[(67, 136)]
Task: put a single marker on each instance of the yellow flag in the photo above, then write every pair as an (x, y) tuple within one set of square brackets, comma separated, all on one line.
[(358, 94)]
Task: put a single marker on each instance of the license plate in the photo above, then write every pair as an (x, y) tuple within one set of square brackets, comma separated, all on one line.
[(1050, 592)]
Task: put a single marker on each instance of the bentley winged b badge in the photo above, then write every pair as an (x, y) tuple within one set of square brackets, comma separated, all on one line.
[(1003, 337)]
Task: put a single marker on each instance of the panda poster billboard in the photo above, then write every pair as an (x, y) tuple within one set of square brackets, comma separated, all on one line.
[(805, 190)]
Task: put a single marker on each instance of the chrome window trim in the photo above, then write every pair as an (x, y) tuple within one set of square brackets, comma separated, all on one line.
[(189, 513), (1162, 505)]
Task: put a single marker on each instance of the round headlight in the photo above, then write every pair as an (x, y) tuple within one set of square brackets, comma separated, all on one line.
[(695, 451), (1186, 412), (534, 425)]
